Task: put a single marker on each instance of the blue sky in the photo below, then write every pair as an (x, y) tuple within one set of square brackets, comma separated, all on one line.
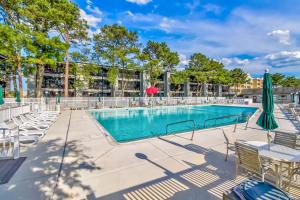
[(251, 34)]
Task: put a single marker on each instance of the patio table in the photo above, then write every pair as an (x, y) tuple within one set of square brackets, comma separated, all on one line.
[(280, 154)]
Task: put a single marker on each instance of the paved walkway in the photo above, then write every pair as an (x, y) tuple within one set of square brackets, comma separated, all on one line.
[(170, 167)]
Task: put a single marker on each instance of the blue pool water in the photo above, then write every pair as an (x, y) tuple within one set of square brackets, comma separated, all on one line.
[(138, 123)]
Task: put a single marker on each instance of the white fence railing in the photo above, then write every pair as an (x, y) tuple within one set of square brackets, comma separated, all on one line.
[(40, 104)]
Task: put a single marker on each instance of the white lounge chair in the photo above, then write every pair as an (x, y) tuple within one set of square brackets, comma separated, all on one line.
[(23, 132), (37, 121), (22, 139), (42, 124), (28, 125), (40, 118)]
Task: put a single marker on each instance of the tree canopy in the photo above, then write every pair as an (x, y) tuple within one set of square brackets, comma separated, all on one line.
[(157, 58), (37, 34)]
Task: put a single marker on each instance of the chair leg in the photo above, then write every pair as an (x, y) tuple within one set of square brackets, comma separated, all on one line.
[(291, 174), (226, 158), (236, 169)]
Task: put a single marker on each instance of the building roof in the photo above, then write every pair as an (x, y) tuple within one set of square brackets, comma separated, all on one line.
[(276, 91)]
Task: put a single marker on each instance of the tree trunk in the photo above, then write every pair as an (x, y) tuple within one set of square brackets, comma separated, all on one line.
[(112, 91), (198, 89), (123, 87), (39, 80), (19, 67), (7, 85), (123, 83), (178, 89), (14, 78), (66, 82)]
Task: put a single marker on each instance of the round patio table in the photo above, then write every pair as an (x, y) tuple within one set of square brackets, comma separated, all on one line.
[(279, 153)]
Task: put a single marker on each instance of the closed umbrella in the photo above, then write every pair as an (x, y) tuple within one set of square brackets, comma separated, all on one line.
[(293, 97), (1, 96), (58, 99), (299, 97), (18, 100), (267, 119)]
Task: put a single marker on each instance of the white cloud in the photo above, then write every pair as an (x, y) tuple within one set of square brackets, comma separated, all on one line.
[(283, 36), (281, 62), (91, 19), (94, 10), (193, 6), (139, 2), (183, 59), (234, 62), (167, 24), (283, 59), (129, 13), (89, 2), (242, 32), (212, 8)]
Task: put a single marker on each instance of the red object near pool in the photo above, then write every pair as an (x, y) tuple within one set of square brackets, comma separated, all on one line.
[(152, 90)]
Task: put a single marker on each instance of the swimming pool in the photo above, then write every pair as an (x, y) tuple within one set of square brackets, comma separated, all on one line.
[(138, 123)]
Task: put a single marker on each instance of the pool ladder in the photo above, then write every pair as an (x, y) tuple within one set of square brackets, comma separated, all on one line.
[(229, 116), (194, 126)]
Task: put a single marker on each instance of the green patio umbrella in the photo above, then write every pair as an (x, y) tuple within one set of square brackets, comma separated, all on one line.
[(293, 97), (18, 100), (58, 99), (267, 119), (1, 96)]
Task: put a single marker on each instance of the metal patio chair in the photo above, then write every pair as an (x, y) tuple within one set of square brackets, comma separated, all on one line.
[(249, 160), (229, 141), (285, 139)]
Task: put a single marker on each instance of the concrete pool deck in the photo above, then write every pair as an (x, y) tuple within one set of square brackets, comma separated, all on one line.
[(170, 167)]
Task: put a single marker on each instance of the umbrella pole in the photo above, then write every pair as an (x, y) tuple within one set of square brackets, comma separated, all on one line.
[(269, 140)]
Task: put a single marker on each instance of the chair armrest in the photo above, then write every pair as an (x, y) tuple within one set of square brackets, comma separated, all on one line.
[(296, 171)]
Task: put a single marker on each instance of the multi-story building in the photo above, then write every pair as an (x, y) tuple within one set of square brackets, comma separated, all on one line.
[(281, 94), (135, 85), (251, 84), (53, 84)]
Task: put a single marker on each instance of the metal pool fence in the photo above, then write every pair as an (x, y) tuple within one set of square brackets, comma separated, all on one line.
[(41, 104)]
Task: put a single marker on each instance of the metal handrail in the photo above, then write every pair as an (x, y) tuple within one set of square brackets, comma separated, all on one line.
[(223, 117), (191, 120)]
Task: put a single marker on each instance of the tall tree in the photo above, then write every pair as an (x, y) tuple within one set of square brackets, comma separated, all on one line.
[(178, 78), (218, 75), (72, 28), (14, 37), (116, 47), (238, 77), (157, 58), (277, 79), (45, 49), (199, 68), (82, 69), (291, 81)]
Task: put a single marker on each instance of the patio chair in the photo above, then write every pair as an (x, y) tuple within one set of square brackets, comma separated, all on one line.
[(21, 139), (27, 125), (23, 132), (253, 189), (249, 160), (294, 178), (25, 119), (229, 141), (285, 139), (40, 118)]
